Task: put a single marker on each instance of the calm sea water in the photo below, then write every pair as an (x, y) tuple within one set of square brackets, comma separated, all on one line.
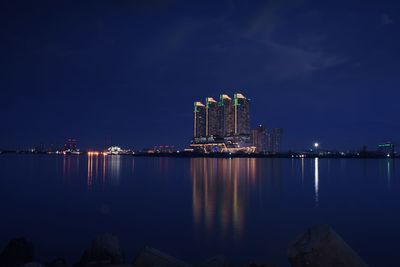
[(246, 209)]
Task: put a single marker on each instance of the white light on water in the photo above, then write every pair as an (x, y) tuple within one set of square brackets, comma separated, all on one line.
[(316, 181)]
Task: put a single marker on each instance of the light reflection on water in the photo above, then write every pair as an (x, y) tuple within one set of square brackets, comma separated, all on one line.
[(70, 166), (100, 169), (221, 189), (388, 172), (316, 180)]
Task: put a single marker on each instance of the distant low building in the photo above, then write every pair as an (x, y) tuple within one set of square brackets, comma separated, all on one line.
[(70, 144), (70, 147), (114, 150), (164, 149)]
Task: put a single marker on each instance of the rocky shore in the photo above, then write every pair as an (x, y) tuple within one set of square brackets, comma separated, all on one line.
[(318, 246)]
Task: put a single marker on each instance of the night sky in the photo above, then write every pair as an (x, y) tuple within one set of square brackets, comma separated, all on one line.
[(127, 72)]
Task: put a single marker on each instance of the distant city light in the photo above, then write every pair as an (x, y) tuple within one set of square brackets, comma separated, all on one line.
[(316, 145)]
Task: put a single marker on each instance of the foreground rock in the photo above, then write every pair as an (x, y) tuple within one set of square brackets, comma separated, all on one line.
[(216, 261), (104, 251), (18, 252), (34, 264), (320, 246), (151, 257), (59, 262), (261, 265)]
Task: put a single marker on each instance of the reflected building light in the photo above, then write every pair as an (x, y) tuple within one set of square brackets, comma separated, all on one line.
[(164, 165), (64, 167), (195, 199), (237, 213), (90, 171), (316, 181), (133, 166), (302, 170), (247, 169), (220, 187), (207, 196), (115, 168), (104, 169), (70, 166), (97, 166), (388, 173)]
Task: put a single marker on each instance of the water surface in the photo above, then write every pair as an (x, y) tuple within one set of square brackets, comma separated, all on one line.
[(247, 209)]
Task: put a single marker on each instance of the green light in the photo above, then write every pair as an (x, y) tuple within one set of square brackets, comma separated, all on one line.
[(385, 145), (235, 100), (221, 101), (208, 103)]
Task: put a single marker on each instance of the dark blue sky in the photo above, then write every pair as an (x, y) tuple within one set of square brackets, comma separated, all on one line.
[(129, 71)]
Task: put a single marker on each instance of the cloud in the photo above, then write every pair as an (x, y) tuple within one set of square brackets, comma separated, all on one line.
[(386, 20), (302, 55), (224, 47), (291, 61)]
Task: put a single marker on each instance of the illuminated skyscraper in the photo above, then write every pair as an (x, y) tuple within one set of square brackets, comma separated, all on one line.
[(259, 138), (222, 126), (199, 120), (241, 115), (212, 120), (226, 116)]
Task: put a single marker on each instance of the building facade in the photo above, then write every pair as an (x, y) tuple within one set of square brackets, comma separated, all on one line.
[(259, 138), (199, 123), (241, 115), (212, 120), (274, 140), (226, 116)]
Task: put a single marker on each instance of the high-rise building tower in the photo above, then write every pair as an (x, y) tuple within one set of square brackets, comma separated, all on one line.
[(223, 125), (199, 120), (226, 116), (259, 138), (241, 115), (274, 140), (212, 120)]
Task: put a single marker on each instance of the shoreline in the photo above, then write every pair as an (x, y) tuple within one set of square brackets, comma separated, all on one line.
[(286, 155)]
